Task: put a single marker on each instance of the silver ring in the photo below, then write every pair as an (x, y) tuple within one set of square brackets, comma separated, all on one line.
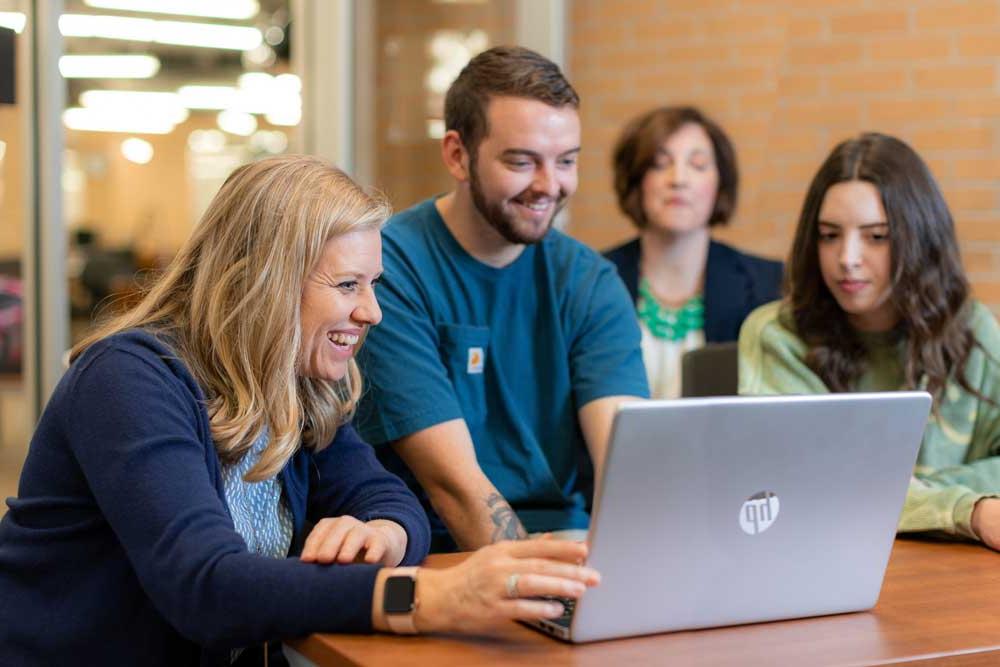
[(512, 586)]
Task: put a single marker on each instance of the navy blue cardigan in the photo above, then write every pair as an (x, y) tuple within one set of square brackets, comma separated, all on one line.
[(735, 284), (120, 549)]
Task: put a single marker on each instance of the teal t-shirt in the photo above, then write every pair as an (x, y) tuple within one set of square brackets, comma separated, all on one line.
[(515, 352)]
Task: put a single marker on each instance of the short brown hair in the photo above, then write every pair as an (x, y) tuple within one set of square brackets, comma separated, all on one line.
[(511, 71), (635, 153)]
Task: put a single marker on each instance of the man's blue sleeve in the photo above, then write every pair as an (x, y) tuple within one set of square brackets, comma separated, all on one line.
[(605, 355), (407, 388)]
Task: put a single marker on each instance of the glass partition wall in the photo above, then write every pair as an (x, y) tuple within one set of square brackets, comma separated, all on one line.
[(15, 156), (126, 119), (164, 99)]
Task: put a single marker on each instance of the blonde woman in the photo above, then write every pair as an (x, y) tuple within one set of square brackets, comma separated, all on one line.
[(194, 489)]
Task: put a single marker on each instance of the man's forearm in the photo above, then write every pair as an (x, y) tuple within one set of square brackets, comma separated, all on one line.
[(443, 459), (506, 525), (478, 517)]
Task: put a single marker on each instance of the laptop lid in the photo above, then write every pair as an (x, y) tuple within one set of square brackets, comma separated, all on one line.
[(711, 370), (721, 511)]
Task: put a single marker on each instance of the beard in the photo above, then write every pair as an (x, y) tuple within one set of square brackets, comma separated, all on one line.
[(504, 220)]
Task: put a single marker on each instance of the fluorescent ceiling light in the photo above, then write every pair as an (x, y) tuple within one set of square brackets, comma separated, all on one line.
[(137, 150), (107, 98), (237, 122), (277, 97), (257, 93), (221, 9), (99, 120), (207, 35), (110, 27), (207, 97), (13, 20), (289, 82), (109, 67), (271, 142), (255, 101), (240, 38), (258, 80), (224, 97), (290, 115), (153, 103), (207, 141)]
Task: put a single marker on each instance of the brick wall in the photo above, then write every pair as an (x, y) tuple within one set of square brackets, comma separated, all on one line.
[(788, 79)]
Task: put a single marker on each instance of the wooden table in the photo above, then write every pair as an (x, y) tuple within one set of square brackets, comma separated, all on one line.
[(940, 605)]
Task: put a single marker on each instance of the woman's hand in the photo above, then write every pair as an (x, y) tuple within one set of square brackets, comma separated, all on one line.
[(344, 539), (986, 522), (497, 583)]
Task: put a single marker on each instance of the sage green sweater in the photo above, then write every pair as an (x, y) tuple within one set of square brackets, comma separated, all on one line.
[(958, 463)]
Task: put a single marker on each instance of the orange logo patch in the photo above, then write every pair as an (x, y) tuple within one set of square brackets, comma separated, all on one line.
[(476, 359)]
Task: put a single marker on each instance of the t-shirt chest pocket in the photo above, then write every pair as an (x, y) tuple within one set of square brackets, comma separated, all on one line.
[(464, 351)]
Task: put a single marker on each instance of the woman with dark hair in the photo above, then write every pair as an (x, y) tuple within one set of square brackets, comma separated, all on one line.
[(877, 300), (675, 177)]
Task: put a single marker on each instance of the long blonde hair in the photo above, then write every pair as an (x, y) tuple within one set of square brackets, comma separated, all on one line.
[(229, 304)]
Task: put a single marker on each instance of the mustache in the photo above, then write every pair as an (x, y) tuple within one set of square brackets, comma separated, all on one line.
[(528, 197)]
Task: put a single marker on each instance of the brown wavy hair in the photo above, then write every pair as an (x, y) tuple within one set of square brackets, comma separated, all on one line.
[(930, 291), (635, 153), (229, 304)]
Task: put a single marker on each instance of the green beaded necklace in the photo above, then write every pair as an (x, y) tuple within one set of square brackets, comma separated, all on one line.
[(672, 324)]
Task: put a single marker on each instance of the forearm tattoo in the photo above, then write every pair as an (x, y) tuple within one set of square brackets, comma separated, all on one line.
[(506, 525)]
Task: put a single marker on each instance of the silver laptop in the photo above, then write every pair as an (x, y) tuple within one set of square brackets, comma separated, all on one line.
[(721, 511)]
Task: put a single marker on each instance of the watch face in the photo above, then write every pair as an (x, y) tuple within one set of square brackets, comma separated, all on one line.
[(398, 597)]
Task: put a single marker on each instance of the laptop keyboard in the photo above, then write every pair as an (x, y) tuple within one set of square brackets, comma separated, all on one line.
[(569, 606)]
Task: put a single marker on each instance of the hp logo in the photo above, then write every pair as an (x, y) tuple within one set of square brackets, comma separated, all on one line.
[(758, 512)]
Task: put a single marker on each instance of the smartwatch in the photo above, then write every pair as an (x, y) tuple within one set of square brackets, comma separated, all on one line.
[(399, 600)]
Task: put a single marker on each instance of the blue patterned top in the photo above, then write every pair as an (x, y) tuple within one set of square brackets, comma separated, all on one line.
[(260, 512)]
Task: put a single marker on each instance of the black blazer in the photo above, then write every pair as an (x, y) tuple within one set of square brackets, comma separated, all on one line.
[(735, 284)]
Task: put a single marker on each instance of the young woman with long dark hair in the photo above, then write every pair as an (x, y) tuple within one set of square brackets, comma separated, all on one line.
[(877, 300)]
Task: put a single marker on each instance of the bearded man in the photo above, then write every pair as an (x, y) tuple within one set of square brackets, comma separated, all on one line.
[(506, 346)]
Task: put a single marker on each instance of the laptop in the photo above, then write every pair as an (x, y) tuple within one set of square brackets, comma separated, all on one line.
[(723, 511), (710, 370)]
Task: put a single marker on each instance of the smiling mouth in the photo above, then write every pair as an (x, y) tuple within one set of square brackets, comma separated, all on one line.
[(536, 207), (343, 340)]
